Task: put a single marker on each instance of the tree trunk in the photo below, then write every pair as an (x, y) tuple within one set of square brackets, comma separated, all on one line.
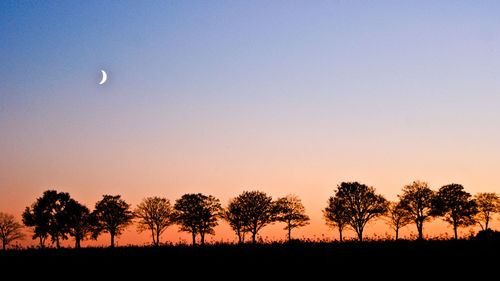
[(112, 240), (455, 231), (420, 231), (254, 234), (77, 242), (340, 233), (359, 231), (157, 238), (194, 238), (360, 236), (57, 243), (397, 233), (4, 244), (202, 238), (240, 240), (289, 233)]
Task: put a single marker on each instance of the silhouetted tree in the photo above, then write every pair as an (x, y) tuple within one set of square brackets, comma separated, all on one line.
[(361, 203), (35, 217), (78, 221), (455, 205), (259, 210), (155, 215), (487, 205), (398, 217), (236, 218), (197, 214), (111, 215), (292, 212), (48, 217), (335, 215), (417, 200), (10, 229)]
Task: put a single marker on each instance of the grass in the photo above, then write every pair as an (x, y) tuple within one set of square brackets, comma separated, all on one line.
[(297, 256)]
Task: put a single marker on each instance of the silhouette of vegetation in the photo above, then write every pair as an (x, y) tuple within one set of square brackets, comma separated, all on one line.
[(488, 235), (259, 210), (111, 215), (398, 217), (361, 204), (292, 212), (455, 205), (34, 217), (487, 205), (57, 216), (236, 218), (78, 221), (197, 214), (417, 201), (48, 216), (155, 215), (335, 215), (10, 230), (309, 258)]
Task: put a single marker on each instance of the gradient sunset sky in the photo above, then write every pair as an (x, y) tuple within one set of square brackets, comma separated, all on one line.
[(220, 97)]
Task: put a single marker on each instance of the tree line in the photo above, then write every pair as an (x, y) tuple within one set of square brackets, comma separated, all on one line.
[(354, 205), (57, 216)]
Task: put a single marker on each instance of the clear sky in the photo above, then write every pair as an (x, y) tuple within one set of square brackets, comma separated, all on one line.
[(219, 97)]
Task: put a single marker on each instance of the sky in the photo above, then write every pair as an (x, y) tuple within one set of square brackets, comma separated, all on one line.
[(219, 97)]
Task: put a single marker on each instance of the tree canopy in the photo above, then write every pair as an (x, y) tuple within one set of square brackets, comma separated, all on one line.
[(111, 215), (362, 204), (10, 229), (48, 217), (78, 221), (197, 214), (417, 200), (154, 214), (258, 210), (335, 215), (455, 205), (57, 216), (488, 203), (236, 218), (291, 211), (397, 217)]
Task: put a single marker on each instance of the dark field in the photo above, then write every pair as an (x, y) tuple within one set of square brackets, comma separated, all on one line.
[(368, 259)]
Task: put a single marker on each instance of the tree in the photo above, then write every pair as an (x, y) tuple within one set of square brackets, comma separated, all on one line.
[(455, 205), (197, 214), (335, 215), (10, 230), (398, 217), (258, 210), (48, 216), (361, 204), (34, 217), (292, 212), (111, 215), (487, 205), (155, 215), (236, 218), (417, 201), (78, 221)]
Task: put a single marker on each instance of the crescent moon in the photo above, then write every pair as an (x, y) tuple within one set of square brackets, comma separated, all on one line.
[(104, 77)]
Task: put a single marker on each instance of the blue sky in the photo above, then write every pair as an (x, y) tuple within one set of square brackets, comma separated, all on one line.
[(357, 87), (365, 52)]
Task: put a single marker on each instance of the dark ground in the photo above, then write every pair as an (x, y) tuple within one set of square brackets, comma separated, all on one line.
[(387, 259)]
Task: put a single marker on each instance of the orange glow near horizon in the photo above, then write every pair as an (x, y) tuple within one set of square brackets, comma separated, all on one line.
[(309, 168), (313, 197)]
